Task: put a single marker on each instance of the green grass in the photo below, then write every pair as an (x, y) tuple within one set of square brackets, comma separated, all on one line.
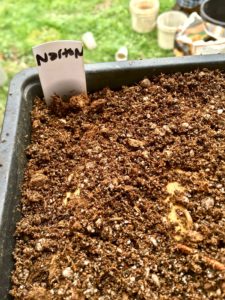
[(26, 23)]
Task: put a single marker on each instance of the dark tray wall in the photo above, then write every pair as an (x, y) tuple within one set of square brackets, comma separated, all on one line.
[(15, 134)]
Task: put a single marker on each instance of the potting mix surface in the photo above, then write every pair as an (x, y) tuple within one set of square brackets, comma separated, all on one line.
[(124, 194)]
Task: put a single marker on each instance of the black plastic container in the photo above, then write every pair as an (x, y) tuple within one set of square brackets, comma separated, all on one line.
[(15, 134), (213, 15), (213, 11)]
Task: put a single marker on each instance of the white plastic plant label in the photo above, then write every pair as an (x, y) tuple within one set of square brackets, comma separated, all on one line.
[(61, 68)]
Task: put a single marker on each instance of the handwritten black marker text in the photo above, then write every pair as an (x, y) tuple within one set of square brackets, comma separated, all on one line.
[(61, 53)]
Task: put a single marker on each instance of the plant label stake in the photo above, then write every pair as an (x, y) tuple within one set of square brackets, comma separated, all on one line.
[(61, 68)]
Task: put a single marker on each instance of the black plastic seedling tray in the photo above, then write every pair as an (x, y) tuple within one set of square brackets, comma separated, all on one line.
[(16, 130)]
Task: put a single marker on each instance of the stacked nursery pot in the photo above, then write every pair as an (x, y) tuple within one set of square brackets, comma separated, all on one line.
[(168, 24), (144, 14)]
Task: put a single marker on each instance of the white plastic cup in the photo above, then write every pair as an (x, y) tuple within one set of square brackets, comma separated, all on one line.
[(121, 54), (168, 24), (89, 40), (144, 14)]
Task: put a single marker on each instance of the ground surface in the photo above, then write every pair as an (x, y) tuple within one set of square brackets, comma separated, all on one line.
[(28, 23), (124, 194)]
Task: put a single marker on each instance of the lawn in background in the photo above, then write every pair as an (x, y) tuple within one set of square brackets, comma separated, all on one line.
[(26, 23)]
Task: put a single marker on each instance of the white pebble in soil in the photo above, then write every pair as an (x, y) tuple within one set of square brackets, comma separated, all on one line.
[(67, 272), (153, 240), (155, 279), (207, 202), (39, 246), (185, 125), (192, 153)]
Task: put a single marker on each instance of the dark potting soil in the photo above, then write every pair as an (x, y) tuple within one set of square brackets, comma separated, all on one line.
[(124, 194)]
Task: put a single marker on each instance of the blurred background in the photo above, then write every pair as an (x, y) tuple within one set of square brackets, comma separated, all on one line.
[(25, 23)]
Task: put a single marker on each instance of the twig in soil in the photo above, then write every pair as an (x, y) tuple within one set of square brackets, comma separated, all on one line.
[(216, 265)]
